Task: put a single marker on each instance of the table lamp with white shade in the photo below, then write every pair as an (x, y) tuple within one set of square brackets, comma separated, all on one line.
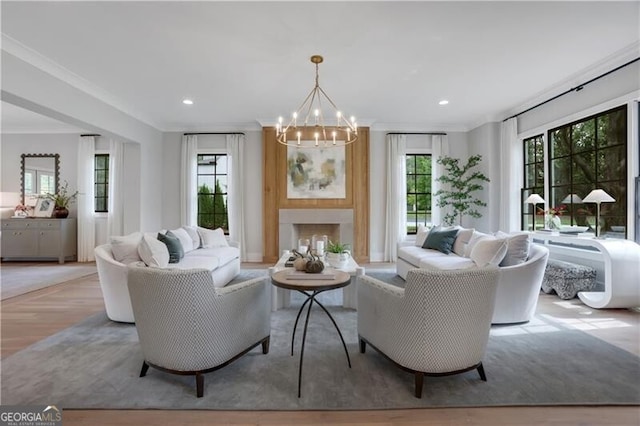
[(598, 196), (534, 199), (572, 199)]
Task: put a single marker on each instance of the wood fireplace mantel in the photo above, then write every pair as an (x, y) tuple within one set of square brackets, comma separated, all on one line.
[(274, 197)]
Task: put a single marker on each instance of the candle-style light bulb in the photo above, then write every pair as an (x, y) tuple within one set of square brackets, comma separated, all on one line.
[(299, 134), (316, 135), (317, 114), (334, 136), (295, 119)]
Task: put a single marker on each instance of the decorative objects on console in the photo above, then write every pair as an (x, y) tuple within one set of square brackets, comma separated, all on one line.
[(534, 199), (598, 196)]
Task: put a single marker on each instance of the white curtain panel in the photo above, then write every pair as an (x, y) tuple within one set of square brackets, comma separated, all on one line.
[(439, 148), (235, 197), (189, 181), (511, 177), (115, 218), (396, 217), (86, 202)]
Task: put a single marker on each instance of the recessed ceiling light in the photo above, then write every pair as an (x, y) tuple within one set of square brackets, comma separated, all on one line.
[(187, 101), (443, 102)]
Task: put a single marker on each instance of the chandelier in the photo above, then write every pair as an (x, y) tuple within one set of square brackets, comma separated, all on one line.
[(308, 121)]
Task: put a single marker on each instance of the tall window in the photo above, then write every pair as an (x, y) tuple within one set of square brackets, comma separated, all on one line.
[(101, 189), (418, 191), (533, 175), (588, 154), (212, 191)]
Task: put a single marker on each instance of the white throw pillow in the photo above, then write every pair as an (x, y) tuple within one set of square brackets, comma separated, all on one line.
[(462, 239), (153, 252), (212, 238), (489, 251), (421, 235), (475, 238), (125, 249), (193, 233), (185, 239), (518, 246)]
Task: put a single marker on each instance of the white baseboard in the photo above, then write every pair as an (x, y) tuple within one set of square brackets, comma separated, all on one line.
[(376, 257)]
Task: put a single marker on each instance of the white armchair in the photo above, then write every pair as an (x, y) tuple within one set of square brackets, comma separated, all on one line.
[(187, 326), (437, 325)]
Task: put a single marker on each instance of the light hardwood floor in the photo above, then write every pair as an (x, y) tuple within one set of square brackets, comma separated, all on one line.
[(33, 316)]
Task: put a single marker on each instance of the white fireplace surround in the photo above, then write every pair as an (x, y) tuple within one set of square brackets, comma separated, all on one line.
[(288, 219)]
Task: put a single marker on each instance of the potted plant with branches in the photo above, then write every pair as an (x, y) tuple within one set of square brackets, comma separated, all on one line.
[(61, 199), (460, 182)]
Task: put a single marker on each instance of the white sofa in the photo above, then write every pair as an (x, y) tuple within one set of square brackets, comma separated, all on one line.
[(518, 285), (222, 261)]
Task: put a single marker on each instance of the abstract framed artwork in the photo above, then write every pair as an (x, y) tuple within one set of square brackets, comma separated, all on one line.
[(316, 172)]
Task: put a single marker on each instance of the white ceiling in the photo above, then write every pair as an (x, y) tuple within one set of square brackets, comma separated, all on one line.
[(388, 63)]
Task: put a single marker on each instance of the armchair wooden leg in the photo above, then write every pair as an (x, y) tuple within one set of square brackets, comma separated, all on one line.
[(265, 345), (145, 367), (481, 372), (419, 378), (363, 346), (199, 385)]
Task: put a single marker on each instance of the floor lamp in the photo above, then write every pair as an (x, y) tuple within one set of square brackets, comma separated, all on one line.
[(534, 199), (598, 196)]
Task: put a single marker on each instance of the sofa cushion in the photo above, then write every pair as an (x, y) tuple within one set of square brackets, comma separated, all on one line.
[(209, 263), (489, 251), (475, 238), (185, 239), (441, 239), (193, 233), (223, 254), (176, 252), (518, 246), (153, 252), (462, 239), (421, 235), (125, 249), (212, 238), (414, 255), (446, 262)]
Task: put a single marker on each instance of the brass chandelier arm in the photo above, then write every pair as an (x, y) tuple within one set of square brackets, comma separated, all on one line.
[(312, 105)]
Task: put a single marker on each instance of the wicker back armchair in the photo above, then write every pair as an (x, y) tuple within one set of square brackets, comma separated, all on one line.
[(437, 325), (187, 326)]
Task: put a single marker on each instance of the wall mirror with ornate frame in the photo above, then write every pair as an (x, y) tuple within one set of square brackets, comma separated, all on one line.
[(40, 174)]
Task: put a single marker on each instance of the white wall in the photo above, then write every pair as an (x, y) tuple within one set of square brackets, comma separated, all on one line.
[(252, 184), (378, 181), (617, 84), (31, 88), (485, 141)]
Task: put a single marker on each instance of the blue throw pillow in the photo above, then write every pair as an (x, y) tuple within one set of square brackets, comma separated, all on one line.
[(176, 252), (441, 240)]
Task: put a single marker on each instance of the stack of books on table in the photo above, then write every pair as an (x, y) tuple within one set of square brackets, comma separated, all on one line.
[(300, 275)]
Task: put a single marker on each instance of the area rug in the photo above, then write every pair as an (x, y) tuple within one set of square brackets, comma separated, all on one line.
[(96, 363), (19, 278)]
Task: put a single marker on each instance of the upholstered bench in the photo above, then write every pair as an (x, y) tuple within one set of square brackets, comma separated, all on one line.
[(567, 279)]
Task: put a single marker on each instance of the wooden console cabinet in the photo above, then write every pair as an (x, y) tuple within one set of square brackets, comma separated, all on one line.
[(39, 239)]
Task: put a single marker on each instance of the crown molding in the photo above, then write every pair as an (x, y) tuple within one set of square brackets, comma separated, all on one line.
[(47, 65), (418, 127), (610, 62), (217, 127)]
